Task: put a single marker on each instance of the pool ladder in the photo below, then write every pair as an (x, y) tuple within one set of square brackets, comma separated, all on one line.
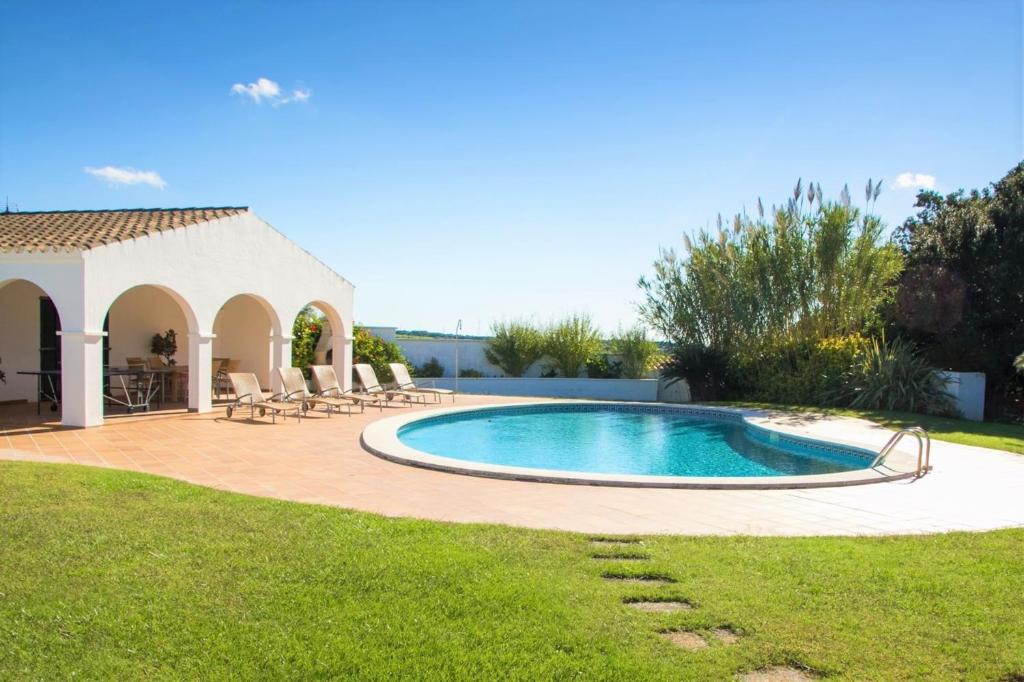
[(924, 449)]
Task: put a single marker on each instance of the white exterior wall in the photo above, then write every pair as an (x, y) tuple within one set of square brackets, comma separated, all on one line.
[(471, 355), (200, 267), (968, 391), (643, 390)]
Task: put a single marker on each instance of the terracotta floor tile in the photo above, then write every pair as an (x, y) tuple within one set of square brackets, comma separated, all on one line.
[(321, 460)]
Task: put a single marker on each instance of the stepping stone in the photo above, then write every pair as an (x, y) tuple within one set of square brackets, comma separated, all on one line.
[(621, 556), (779, 673), (611, 540), (660, 606), (638, 578), (725, 635), (690, 641)]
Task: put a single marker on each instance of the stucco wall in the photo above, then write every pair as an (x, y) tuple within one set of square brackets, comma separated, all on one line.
[(243, 333), (207, 265), (645, 390), (968, 391), (19, 338), (138, 314), (471, 355)]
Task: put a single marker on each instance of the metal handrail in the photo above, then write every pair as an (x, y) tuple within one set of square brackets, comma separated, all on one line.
[(924, 449)]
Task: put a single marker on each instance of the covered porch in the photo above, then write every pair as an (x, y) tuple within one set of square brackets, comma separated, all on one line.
[(83, 300)]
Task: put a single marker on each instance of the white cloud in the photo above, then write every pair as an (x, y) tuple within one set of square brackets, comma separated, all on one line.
[(127, 176), (270, 91), (910, 180)]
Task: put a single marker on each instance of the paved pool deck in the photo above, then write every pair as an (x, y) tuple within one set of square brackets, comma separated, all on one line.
[(320, 460)]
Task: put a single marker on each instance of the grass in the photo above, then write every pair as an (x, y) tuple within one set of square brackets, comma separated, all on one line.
[(109, 574), (995, 435)]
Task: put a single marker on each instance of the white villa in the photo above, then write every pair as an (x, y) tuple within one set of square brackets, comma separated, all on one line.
[(85, 290)]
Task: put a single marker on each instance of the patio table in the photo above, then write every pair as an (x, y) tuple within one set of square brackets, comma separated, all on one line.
[(137, 396), (46, 387)]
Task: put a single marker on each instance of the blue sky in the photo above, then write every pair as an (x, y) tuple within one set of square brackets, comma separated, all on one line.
[(492, 160)]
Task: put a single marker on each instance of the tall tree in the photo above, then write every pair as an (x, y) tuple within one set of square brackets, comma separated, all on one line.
[(962, 296)]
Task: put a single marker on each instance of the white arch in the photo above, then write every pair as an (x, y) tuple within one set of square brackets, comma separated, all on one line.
[(272, 314), (183, 304)]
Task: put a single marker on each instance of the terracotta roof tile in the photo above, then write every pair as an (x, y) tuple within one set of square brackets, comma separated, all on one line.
[(38, 232)]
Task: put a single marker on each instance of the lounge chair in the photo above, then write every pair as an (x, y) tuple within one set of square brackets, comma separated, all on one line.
[(368, 378), (405, 383), (327, 386), (220, 380), (295, 391), (249, 394)]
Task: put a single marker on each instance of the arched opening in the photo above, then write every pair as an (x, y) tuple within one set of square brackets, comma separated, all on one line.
[(316, 329), (147, 327), (243, 338), (29, 342)]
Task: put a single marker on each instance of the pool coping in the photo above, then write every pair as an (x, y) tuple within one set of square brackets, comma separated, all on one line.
[(380, 438)]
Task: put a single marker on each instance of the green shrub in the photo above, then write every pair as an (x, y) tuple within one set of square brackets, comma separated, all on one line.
[(515, 346), (571, 343), (637, 353), (798, 371), (603, 367), (893, 376), (706, 370), (801, 271), (376, 352), (432, 368), (470, 373), (306, 331)]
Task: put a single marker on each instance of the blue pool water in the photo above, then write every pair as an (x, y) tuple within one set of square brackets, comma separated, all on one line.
[(623, 440)]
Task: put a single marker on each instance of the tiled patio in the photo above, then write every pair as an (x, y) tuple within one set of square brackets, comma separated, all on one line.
[(320, 460)]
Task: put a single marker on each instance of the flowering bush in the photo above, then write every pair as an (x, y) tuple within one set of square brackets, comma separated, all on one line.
[(376, 352)]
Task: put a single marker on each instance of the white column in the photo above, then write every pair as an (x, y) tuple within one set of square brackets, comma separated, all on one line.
[(81, 359), (200, 372), (341, 357), (280, 356)]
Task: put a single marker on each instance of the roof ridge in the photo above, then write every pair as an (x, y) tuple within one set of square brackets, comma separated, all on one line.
[(129, 210)]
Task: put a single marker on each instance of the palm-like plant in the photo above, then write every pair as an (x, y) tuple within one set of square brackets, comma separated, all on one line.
[(893, 376), (515, 346), (572, 342)]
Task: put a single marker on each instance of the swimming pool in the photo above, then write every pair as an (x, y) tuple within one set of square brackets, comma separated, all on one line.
[(622, 439), (632, 444), (616, 439)]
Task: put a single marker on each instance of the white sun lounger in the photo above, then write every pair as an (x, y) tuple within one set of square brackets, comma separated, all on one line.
[(327, 386), (405, 383), (249, 394), (295, 391), (368, 378)]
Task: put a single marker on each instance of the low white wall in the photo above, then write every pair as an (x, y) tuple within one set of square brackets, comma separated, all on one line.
[(968, 391), (645, 390)]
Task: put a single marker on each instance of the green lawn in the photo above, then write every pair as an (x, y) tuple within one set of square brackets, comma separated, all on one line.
[(1008, 437), (108, 574)]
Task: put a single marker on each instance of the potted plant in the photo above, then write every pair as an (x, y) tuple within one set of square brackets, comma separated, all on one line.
[(165, 345)]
